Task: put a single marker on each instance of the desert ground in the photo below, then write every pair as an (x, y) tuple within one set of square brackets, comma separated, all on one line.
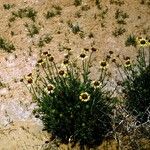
[(97, 26)]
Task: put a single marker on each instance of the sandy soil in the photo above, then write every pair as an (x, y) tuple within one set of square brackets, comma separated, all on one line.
[(19, 129)]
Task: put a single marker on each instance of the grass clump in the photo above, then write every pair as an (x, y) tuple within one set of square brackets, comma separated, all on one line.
[(118, 31), (6, 46), (131, 41), (75, 28), (136, 83), (32, 29), (98, 4), (77, 2), (56, 10), (25, 12), (8, 6), (120, 16), (74, 108), (44, 40)]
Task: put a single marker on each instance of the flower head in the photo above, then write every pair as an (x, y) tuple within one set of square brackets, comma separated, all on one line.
[(103, 65), (66, 62), (29, 82), (84, 97), (86, 49), (62, 73), (142, 42), (50, 88), (127, 58), (40, 62), (113, 60), (21, 80), (111, 52), (93, 49), (96, 84), (51, 59), (45, 54), (127, 63), (29, 76), (83, 56), (68, 48)]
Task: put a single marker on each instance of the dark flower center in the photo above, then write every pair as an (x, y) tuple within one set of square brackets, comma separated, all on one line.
[(103, 64), (96, 83), (45, 53), (51, 58), (143, 42), (61, 72), (29, 75), (111, 52), (93, 49), (50, 88), (66, 61), (86, 49), (40, 61), (82, 55), (128, 62), (84, 96), (30, 81)]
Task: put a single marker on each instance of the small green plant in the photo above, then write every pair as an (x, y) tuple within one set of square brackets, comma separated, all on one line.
[(77, 2), (44, 40), (75, 28), (8, 6), (32, 29), (120, 16), (12, 19), (136, 83), (56, 10), (103, 13), (131, 41), (91, 35), (118, 31), (25, 12), (2, 85), (85, 8), (98, 4), (78, 14), (6, 46), (50, 14), (74, 108)]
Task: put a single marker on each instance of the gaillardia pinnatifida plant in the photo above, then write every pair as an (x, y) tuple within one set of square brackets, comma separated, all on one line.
[(73, 107), (136, 83)]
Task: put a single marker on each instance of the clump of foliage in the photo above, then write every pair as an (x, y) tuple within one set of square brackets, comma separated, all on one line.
[(8, 6), (121, 16), (75, 28), (136, 83), (118, 31), (44, 40), (145, 2), (73, 107), (6, 46), (85, 8), (77, 2), (56, 10), (98, 4), (103, 13), (131, 40), (25, 12), (32, 29)]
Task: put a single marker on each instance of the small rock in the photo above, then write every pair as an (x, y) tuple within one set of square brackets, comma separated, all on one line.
[(3, 91)]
